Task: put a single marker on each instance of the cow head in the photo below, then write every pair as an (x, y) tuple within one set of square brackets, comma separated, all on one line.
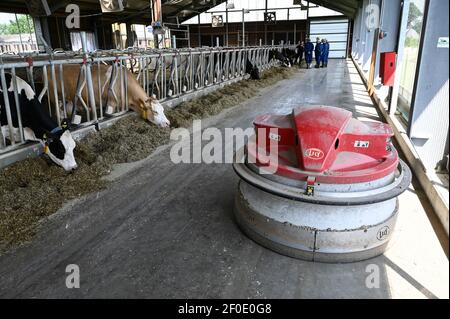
[(153, 111), (59, 146), (253, 70)]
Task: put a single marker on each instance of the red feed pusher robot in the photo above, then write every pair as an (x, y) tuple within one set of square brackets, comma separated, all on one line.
[(320, 185)]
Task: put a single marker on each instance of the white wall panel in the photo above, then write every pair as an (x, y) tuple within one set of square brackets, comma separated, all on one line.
[(335, 31)]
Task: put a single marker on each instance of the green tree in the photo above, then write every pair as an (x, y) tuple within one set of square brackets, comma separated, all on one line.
[(415, 17), (412, 42), (24, 25)]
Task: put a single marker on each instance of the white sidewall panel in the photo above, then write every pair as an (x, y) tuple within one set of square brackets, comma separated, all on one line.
[(335, 31)]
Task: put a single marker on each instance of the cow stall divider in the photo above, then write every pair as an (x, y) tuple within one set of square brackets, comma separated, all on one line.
[(96, 101)]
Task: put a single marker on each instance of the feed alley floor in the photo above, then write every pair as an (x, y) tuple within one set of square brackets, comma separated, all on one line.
[(164, 230)]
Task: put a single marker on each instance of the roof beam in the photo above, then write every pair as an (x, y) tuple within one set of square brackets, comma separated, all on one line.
[(337, 6), (191, 6), (349, 3)]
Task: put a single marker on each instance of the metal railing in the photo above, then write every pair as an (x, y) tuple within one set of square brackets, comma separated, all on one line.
[(166, 75), (11, 47)]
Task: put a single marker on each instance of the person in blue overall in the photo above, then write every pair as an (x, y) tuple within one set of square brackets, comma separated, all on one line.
[(325, 52), (309, 48), (318, 52)]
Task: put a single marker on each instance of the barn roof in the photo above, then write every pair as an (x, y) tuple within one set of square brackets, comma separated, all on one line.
[(138, 11), (346, 7)]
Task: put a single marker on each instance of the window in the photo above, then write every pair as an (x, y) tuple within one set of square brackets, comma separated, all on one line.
[(17, 33), (411, 53)]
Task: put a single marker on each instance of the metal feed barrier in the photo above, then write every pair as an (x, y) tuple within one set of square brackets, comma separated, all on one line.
[(169, 75)]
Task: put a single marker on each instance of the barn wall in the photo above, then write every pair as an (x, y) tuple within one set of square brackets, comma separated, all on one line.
[(58, 35), (281, 31)]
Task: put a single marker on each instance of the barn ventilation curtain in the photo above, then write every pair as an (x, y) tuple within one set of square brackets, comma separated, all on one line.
[(75, 40)]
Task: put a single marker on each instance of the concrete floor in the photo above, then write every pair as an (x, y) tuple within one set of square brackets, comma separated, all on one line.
[(166, 231)]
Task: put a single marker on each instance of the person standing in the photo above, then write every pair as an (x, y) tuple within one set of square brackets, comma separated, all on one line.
[(309, 48), (300, 51), (325, 52), (318, 52)]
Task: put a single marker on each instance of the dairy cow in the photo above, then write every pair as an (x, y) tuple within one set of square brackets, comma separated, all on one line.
[(280, 56), (38, 125), (252, 69), (149, 108)]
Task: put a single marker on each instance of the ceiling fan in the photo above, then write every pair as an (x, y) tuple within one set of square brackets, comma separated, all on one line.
[(113, 5)]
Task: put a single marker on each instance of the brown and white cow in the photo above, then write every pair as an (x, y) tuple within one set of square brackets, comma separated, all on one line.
[(149, 108)]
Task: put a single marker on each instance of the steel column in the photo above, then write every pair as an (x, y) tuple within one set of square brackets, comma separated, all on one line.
[(429, 112), (400, 49)]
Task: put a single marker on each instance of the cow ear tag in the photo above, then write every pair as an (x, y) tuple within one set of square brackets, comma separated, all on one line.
[(64, 124), (144, 111), (44, 137)]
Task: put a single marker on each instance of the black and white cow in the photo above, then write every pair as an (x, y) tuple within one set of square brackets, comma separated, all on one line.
[(289, 54), (277, 55), (38, 125), (252, 69)]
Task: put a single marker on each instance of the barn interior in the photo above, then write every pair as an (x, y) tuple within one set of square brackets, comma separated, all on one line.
[(161, 229)]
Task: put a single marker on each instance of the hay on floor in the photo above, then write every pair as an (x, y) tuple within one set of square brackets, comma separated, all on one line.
[(36, 188)]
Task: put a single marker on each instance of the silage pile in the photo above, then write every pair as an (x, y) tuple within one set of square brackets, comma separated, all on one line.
[(35, 188)]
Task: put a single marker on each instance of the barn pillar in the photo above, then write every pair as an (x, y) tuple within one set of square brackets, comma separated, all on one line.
[(158, 31), (431, 91), (400, 49), (390, 24), (42, 32)]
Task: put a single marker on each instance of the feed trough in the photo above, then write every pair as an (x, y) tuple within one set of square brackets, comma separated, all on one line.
[(320, 185)]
